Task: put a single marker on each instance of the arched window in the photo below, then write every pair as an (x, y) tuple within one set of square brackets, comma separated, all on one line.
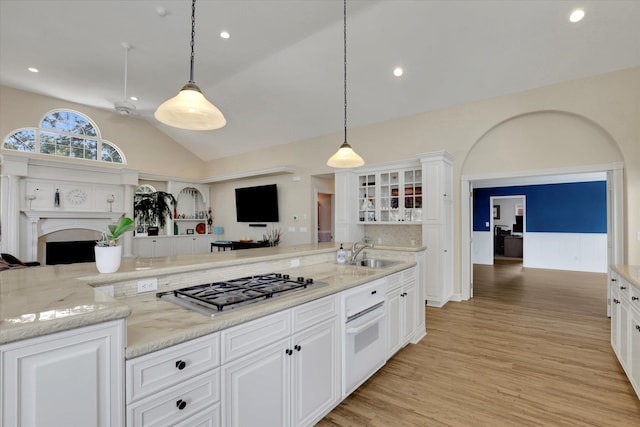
[(65, 133)]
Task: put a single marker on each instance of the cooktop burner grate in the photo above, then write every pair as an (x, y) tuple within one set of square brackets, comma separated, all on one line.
[(218, 295)]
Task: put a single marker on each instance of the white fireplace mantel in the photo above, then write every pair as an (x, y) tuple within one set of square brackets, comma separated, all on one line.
[(43, 222)]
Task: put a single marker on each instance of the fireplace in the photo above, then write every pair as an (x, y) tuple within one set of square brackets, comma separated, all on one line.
[(70, 252)]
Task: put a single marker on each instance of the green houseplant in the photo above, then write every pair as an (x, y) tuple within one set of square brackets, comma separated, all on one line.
[(153, 208), (108, 252)]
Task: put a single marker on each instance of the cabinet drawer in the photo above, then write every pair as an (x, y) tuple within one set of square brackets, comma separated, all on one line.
[(177, 403), (157, 371), (394, 281), (409, 275), (363, 297), (207, 418), (314, 312), (248, 337)]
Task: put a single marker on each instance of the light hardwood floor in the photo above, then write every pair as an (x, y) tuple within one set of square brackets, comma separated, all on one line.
[(531, 349)]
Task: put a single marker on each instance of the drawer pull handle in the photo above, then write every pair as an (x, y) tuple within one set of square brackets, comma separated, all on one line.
[(181, 404), (181, 365), (297, 347), (616, 301), (614, 279), (289, 351), (374, 292), (634, 298), (638, 327), (622, 288)]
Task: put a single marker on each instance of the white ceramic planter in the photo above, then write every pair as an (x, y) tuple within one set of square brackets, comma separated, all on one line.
[(108, 258)]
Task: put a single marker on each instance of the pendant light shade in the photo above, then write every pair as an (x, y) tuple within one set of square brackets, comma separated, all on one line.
[(189, 109), (345, 157)]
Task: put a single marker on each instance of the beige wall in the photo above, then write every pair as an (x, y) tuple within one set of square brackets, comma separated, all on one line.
[(146, 148), (609, 103)]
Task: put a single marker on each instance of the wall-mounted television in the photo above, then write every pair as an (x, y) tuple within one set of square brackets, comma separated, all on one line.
[(257, 204)]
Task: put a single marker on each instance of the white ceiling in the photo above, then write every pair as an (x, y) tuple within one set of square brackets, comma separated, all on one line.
[(279, 77)]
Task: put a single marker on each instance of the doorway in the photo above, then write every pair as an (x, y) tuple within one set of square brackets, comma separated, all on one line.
[(508, 225), (324, 207)]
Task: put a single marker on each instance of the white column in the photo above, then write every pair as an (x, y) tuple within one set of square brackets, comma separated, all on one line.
[(10, 214), (127, 242)]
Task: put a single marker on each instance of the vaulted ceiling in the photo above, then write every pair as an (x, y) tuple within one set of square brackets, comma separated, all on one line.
[(278, 78)]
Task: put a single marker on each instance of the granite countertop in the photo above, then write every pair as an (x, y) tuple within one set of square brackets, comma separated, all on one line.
[(630, 272), (38, 301)]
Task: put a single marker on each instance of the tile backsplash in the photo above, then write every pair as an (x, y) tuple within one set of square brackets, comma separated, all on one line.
[(401, 235)]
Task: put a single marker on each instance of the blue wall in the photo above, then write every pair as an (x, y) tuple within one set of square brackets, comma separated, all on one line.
[(579, 207)]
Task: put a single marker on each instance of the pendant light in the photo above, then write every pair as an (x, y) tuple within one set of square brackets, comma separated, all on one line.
[(345, 157), (189, 109)]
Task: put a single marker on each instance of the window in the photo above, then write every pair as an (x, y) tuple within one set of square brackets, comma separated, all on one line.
[(65, 133)]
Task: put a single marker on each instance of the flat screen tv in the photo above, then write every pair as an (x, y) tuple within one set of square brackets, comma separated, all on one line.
[(257, 204)]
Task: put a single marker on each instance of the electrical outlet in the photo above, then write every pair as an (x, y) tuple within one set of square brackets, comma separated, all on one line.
[(147, 285), (295, 262)]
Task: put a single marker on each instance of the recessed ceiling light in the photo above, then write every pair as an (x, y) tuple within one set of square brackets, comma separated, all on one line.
[(225, 34), (133, 98), (398, 71), (33, 70), (576, 15)]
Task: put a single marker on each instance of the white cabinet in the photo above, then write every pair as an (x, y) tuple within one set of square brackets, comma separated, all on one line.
[(69, 378), (175, 385), (282, 369), (625, 326), (401, 310), (152, 247), (390, 196), (163, 246), (437, 226)]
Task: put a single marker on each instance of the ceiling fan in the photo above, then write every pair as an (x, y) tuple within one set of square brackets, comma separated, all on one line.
[(125, 107)]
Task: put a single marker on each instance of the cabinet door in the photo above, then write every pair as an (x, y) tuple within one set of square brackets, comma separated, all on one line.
[(163, 246), (393, 320), (256, 389), (409, 311), (367, 198), (143, 247), (615, 320), (183, 245), (316, 373), (72, 378), (202, 244), (634, 351), (390, 196)]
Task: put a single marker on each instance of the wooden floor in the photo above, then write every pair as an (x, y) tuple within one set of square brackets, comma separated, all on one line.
[(530, 349)]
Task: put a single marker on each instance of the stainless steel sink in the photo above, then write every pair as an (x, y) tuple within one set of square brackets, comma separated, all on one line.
[(373, 263)]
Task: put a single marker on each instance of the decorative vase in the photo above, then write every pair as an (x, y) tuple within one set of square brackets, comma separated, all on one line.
[(108, 258)]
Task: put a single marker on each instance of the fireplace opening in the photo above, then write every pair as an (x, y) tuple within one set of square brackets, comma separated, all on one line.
[(69, 252)]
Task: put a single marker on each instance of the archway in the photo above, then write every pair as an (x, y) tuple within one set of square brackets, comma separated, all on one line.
[(541, 145)]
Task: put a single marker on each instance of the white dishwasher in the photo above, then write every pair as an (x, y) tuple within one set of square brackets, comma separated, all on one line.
[(363, 334)]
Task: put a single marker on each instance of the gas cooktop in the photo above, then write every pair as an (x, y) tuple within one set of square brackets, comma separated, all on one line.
[(212, 298)]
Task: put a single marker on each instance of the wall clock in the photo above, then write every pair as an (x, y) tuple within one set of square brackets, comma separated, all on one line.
[(76, 196)]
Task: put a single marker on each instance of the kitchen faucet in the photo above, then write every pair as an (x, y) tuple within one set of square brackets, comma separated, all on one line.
[(355, 250)]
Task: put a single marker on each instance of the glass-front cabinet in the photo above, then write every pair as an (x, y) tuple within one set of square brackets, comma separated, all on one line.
[(390, 196)]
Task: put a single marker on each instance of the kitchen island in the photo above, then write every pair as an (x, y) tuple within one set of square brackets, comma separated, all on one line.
[(41, 302)]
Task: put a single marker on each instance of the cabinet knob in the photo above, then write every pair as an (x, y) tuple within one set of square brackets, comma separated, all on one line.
[(374, 292), (637, 327), (289, 351), (616, 301), (613, 279), (297, 347), (181, 365), (622, 288), (634, 298), (181, 404)]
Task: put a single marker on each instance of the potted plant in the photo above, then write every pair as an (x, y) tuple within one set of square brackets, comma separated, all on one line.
[(108, 252), (153, 208)]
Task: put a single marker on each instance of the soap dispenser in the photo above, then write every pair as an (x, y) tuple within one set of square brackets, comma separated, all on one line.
[(341, 258)]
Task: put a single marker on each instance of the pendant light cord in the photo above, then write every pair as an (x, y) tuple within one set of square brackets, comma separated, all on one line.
[(345, 70), (193, 36)]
